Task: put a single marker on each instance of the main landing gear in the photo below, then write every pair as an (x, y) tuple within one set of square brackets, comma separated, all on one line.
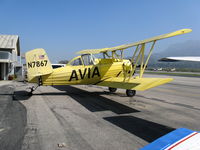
[(129, 93)]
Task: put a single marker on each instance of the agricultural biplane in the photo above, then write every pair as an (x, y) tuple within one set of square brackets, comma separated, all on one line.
[(112, 71)]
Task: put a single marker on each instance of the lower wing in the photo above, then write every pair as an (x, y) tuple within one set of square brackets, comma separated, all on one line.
[(139, 84)]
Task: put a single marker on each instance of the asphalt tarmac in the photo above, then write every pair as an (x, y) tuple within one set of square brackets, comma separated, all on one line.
[(90, 118), (13, 118)]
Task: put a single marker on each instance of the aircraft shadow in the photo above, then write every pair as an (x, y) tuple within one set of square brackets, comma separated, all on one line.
[(147, 130), (94, 102)]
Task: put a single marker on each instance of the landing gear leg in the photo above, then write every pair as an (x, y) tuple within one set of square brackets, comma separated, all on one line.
[(112, 90), (130, 93)]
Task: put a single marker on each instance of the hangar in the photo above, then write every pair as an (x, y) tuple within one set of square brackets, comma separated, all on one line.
[(10, 63)]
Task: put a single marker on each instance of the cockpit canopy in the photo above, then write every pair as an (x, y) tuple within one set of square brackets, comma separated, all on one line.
[(85, 59)]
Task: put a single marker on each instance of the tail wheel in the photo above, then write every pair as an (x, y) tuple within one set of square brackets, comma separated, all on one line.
[(112, 90), (130, 93)]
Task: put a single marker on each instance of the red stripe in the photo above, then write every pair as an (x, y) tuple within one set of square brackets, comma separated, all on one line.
[(183, 140)]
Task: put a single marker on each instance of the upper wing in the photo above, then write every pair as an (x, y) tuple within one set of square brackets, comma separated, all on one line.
[(139, 84), (125, 46), (172, 59)]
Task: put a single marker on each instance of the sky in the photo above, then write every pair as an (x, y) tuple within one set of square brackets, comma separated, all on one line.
[(63, 27)]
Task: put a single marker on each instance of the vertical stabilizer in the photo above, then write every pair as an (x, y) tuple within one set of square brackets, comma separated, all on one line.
[(37, 63)]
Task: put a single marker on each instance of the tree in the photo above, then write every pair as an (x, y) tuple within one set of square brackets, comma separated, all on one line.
[(63, 61)]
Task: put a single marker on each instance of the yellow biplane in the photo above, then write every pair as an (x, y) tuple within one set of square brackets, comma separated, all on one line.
[(112, 70)]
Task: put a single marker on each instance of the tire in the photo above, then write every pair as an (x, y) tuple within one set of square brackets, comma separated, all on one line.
[(112, 90), (130, 93)]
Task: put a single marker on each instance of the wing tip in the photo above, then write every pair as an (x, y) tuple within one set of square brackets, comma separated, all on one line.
[(185, 30)]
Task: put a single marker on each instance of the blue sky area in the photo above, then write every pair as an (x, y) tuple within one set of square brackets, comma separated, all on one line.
[(63, 27)]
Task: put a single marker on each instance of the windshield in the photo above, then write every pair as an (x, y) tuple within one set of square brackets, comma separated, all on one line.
[(76, 62), (88, 59)]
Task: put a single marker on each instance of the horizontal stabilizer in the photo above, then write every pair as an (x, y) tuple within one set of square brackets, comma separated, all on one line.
[(139, 84)]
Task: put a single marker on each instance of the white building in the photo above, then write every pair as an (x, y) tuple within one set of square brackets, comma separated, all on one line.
[(9, 52)]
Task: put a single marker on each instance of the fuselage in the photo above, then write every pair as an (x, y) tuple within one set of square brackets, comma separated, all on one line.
[(85, 74)]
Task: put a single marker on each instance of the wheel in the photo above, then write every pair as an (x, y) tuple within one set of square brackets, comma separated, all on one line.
[(112, 90), (130, 93)]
